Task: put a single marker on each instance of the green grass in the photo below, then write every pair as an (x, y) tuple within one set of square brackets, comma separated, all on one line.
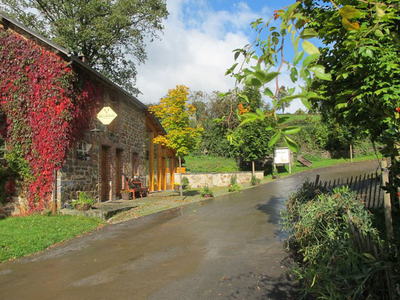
[(207, 164), (20, 236)]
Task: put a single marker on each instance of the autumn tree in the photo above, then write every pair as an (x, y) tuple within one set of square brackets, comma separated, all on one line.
[(110, 34), (174, 114)]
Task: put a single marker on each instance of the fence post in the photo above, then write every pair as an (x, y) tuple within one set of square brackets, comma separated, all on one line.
[(388, 205), (316, 180)]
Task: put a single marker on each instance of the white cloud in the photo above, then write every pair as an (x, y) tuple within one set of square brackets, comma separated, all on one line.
[(196, 48), (195, 51)]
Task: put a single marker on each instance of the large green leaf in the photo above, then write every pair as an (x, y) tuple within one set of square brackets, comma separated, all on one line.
[(310, 48), (291, 129), (282, 120), (309, 59), (308, 33), (306, 103), (248, 117), (287, 98), (349, 12), (252, 81), (268, 92), (319, 71), (298, 57), (291, 144), (294, 74), (274, 139)]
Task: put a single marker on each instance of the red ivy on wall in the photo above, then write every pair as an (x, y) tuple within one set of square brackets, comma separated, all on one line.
[(45, 107)]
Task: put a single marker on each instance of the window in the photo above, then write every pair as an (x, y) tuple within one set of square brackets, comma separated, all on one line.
[(83, 150)]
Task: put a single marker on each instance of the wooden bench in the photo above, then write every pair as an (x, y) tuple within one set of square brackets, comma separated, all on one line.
[(136, 187)]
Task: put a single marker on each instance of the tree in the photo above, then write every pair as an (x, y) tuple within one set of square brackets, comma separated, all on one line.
[(251, 141), (253, 99), (174, 114), (362, 49), (109, 34), (282, 104)]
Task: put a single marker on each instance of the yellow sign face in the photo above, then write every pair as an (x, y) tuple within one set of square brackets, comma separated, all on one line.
[(106, 115)]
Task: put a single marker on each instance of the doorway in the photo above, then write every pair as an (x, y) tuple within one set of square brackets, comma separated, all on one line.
[(104, 181), (118, 173)]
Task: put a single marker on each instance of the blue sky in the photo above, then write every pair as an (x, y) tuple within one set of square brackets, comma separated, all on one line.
[(196, 46)]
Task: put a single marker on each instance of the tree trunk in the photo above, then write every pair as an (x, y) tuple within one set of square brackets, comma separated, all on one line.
[(180, 176), (253, 168)]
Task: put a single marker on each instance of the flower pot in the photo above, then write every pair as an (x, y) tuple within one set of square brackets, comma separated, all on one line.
[(82, 206), (126, 196), (176, 187), (207, 196)]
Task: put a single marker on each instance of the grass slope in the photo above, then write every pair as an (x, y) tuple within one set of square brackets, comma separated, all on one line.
[(20, 236)]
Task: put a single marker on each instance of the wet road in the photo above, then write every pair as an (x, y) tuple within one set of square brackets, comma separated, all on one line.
[(226, 248)]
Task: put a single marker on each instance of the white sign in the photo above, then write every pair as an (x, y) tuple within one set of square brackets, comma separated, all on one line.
[(106, 115), (282, 156)]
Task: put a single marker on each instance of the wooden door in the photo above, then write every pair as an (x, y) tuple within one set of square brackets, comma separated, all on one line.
[(135, 163), (103, 195), (118, 173)]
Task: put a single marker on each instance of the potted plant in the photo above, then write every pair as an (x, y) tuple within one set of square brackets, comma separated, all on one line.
[(185, 183), (125, 195), (84, 202), (275, 174), (205, 192), (254, 181), (176, 186)]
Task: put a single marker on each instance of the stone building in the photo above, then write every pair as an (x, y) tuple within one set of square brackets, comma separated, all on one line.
[(107, 155)]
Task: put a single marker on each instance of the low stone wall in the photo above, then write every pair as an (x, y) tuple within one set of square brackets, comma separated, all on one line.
[(199, 180)]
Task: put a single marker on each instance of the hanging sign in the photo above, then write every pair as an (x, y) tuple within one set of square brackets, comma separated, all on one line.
[(106, 115)]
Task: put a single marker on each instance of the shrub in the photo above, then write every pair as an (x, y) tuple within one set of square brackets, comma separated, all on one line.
[(206, 191), (331, 265), (234, 186), (254, 180), (83, 198)]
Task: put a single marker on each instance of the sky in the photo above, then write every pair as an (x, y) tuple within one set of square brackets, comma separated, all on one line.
[(195, 48)]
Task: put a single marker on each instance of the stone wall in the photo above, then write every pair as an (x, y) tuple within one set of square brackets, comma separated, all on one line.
[(199, 180), (123, 140)]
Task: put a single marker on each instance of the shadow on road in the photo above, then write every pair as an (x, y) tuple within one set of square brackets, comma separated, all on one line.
[(265, 287)]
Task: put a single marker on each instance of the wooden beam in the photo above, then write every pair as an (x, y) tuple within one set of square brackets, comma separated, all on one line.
[(151, 162), (171, 172), (159, 166)]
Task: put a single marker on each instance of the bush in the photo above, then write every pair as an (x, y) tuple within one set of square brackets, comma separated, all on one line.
[(331, 265), (206, 191), (234, 186), (254, 180), (83, 198)]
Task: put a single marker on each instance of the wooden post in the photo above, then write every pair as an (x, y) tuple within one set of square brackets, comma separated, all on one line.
[(388, 205), (351, 151), (151, 162), (253, 168), (159, 167), (172, 172), (163, 170), (180, 176)]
